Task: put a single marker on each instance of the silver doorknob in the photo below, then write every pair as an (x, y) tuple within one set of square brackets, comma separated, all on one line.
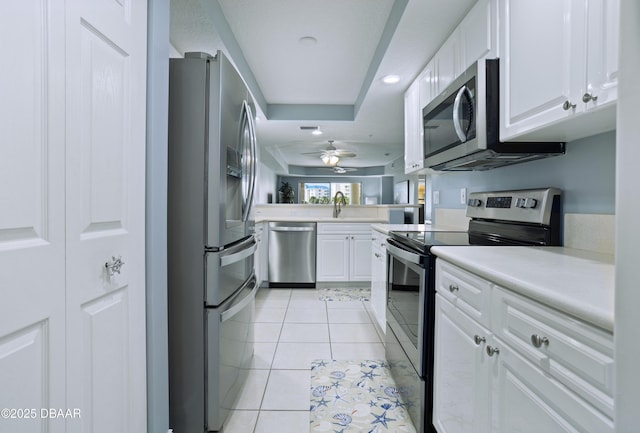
[(478, 339), (568, 105), (589, 97), (492, 350), (538, 341), (453, 288), (114, 266)]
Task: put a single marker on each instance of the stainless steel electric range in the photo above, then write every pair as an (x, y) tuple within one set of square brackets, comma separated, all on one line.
[(523, 217)]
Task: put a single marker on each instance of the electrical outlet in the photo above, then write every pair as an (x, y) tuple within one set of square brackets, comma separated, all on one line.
[(463, 195), (436, 197)]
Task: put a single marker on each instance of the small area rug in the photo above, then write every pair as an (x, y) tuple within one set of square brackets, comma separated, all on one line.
[(345, 294), (356, 397)]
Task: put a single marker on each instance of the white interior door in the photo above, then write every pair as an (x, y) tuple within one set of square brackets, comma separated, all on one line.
[(32, 281), (105, 151)]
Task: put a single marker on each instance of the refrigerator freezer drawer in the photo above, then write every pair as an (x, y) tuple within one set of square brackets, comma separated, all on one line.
[(230, 335), (227, 270)]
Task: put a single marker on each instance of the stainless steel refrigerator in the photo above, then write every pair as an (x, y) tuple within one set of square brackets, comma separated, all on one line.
[(212, 284)]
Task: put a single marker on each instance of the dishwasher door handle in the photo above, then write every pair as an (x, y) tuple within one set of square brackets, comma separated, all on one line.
[(292, 229)]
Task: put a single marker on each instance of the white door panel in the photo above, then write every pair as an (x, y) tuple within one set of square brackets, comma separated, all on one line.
[(105, 214), (32, 327)]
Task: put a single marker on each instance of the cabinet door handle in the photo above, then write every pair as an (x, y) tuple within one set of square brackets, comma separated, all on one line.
[(478, 339), (589, 97), (538, 341), (492, 350), (568, 105), (453, 288)]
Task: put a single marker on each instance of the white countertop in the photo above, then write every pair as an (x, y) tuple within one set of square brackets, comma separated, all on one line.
[(578, 282), (386, 228), (322, 219)]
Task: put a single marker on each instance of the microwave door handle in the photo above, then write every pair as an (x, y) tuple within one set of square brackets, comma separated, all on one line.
[(456, 114)]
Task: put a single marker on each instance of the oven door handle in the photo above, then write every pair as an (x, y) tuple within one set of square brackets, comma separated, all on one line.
[(404, 254)]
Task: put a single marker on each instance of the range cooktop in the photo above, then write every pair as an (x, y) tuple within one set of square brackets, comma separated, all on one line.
[(424, 240)]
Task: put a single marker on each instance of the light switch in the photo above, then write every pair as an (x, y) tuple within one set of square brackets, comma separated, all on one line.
[(463, 195), (436, 197)]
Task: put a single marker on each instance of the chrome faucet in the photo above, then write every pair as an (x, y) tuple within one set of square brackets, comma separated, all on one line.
[(337, 203)]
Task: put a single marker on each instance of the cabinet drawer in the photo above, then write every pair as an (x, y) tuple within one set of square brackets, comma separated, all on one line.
[(339, 228), (467, 291), (527, 400), (577, 354), (378, 241)]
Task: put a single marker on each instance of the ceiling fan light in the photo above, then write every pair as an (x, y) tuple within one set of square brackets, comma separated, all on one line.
[(330, 159)]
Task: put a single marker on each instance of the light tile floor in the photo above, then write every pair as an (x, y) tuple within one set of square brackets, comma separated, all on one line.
[(293, 327)]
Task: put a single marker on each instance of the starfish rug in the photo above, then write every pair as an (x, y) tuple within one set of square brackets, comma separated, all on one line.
[(356, 397), (345, 294)]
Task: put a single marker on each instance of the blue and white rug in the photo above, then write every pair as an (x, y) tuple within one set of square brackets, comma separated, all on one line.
[(345, 294), (356, 397)]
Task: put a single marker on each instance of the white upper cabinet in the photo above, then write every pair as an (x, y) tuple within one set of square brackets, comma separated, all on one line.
[(447, 62), (413, 149), (475, 38), (479, 33), (602, 58), (557, 72), (427, 83)]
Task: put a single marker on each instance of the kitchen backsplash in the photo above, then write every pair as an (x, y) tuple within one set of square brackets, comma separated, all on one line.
[(383, 213), (592, 232), (456, 218)]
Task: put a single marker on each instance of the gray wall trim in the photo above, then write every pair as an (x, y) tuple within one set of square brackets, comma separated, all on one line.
[(231, 44), (397, 10), (302, 112), (297, 170), (310, 112)]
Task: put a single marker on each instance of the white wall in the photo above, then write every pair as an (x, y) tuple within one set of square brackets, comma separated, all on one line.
[(265, 184)]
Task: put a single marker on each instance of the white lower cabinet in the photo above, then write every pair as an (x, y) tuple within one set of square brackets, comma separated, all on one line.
[(343, 252), (261, 258), (379, 278), (528, 369), (461, 379)]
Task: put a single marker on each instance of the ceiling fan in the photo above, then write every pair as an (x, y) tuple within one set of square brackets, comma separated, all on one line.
[(331, 155), (341, 170)]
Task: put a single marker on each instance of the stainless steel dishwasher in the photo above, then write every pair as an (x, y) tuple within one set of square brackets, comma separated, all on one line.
[(292, 254)]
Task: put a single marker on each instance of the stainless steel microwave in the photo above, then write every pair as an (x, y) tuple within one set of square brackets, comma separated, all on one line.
[(462, 129)]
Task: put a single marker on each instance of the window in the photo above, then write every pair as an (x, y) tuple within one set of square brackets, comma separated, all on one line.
[(323, 192)]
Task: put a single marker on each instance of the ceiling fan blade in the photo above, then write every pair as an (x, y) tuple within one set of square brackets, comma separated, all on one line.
[(345, 154)]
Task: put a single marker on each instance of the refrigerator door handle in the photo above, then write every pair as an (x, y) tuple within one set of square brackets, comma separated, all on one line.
[(228, 314), (247, 123), (233, 257)]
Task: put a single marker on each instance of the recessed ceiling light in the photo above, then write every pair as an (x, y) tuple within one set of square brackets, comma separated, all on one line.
[(316, 132), (390, 79), (308, 41)]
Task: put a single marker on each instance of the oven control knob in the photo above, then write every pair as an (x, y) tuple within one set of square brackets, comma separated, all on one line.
[(526, 203), (474, 202)]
